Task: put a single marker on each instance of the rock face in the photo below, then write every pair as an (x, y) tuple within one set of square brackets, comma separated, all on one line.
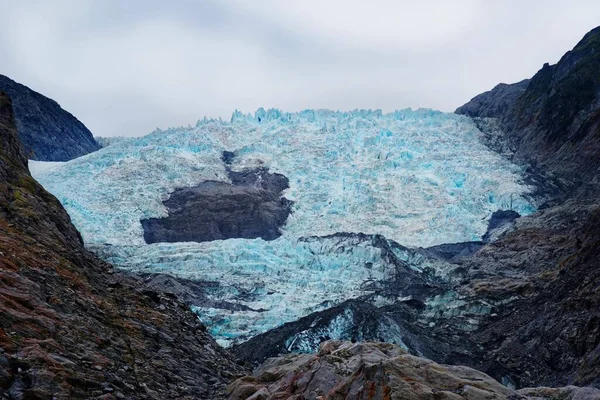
[(546, 268), (554, 123), (250, 207), (47, 132), (495, 103), (546, 276), (343, 370), (70, 328)]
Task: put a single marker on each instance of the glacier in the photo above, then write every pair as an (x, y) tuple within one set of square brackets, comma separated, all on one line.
[(274, 281), (416, 177)]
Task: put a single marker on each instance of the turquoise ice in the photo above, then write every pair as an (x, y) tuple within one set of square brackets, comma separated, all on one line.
[(419, 178)]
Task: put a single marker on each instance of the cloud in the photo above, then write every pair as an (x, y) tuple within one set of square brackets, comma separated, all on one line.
[(381, 24), (124, 68)]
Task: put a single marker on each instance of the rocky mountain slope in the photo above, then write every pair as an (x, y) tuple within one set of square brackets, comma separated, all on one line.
[(555, 123), (47, 132), (71, 327), (495, 103)]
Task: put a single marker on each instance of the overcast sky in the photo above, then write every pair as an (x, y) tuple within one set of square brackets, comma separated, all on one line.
[(127, 67)]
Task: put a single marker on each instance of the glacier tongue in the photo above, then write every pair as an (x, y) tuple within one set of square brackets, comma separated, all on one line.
[(420, 178), (276, 281)]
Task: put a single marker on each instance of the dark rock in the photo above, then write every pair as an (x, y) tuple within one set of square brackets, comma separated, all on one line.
[(64, 332), (547, 272), (250, 207), (555, 123), (496, 102), (47, 132), (228, 157)]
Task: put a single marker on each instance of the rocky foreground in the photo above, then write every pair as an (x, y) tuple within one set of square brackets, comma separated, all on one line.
[(378, 371)]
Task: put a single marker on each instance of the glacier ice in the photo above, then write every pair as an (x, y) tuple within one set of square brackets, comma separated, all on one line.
[(419, 178), (276, 281)]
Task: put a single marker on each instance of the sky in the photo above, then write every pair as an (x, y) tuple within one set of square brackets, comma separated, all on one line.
[(126, 67)]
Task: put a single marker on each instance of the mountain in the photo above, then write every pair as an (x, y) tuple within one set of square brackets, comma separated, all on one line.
[(73, 328), (47, 132), (554, 124)]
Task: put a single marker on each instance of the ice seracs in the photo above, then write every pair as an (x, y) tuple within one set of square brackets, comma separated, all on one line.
[(417, 177)]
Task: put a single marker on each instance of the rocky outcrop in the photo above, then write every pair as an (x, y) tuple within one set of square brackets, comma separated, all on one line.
[(249, 207), (494, 103), (47, 132), (343, 370), (71, 327)]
